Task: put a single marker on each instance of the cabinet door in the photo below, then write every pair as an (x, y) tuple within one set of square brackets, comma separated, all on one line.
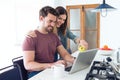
[(74, 24), (92, 26), (84, 24)]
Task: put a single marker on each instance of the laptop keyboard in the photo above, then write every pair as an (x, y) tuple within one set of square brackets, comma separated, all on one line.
[(68, 68)]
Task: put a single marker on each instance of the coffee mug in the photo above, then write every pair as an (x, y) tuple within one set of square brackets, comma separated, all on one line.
[(58, 71)]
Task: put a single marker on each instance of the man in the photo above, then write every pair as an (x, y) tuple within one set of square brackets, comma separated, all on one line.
[(39, 51)]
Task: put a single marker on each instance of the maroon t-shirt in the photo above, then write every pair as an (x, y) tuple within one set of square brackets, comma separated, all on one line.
[(44, 46)]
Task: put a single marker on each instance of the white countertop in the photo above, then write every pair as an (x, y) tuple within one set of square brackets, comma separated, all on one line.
[(48, 73)]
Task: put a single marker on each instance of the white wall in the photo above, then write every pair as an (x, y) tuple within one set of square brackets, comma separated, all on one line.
[(109, 25), (17, 17), (6, 31), (110, 28)]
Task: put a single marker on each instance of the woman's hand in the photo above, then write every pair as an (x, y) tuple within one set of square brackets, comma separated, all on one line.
[(31, 34), (82, 43)]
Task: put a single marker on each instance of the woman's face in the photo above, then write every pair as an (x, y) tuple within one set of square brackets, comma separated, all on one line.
[(60, 20)]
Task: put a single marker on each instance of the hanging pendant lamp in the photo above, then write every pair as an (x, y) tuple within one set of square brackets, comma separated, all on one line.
[(103, 8)]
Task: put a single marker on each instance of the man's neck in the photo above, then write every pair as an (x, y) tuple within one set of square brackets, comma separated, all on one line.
[(42, 30)]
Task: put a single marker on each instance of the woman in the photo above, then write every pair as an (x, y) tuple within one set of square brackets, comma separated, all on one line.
[(63, 32)]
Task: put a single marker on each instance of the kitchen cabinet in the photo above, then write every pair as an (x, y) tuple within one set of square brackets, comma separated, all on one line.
[(85, 24)]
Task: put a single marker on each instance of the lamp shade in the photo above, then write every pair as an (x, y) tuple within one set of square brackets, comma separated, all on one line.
[(103, 8)]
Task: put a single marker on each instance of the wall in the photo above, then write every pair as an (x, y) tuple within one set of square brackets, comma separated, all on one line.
[(6, 31), (109, 25), (17, 17), (110, 29)]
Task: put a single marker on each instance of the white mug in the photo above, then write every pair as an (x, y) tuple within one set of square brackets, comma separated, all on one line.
[(58, 71)]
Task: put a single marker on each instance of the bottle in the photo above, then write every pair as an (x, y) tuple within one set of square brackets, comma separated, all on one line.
[(118, 55), (81, 48)]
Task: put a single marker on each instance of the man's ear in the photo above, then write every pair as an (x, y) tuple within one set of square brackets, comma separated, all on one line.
[(41, 18)]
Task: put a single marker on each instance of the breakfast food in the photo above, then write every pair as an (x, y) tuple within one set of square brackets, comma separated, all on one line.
[(105, 47)]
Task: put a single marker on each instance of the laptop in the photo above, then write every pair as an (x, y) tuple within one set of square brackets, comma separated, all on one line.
[(82, 61)]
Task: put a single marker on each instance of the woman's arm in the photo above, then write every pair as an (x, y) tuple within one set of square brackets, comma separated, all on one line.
[(76, 39)]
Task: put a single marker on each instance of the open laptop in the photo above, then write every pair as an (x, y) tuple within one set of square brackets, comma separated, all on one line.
[(82, 61)]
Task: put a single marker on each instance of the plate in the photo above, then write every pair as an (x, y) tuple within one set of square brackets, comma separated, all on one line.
[(106, 52)]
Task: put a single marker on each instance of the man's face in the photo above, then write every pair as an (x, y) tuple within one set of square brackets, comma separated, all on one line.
[(49, 22), (60, 20)]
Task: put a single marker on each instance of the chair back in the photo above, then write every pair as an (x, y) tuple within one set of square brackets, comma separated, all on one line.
[(19, 61), (11, 72)]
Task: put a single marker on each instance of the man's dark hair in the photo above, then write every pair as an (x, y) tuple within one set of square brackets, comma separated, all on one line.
[(47, 9)]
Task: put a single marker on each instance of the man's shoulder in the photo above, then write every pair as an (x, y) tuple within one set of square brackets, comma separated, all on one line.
[(52, 34)]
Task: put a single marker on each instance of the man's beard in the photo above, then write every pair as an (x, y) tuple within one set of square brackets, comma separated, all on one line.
[(49, 30)]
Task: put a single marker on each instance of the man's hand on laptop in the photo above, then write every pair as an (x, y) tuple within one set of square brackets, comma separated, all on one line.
[(71, 62), (60, 62)]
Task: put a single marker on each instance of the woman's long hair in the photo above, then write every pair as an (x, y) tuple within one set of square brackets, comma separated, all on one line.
[(61, 11)]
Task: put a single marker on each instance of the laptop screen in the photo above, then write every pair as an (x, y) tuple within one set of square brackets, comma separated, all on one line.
[(83, 60)]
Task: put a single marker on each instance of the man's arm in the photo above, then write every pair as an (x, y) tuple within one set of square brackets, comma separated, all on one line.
[(64, 54), (30, 63)]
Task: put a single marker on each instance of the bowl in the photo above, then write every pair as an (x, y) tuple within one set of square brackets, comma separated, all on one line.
[(106, 52)]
